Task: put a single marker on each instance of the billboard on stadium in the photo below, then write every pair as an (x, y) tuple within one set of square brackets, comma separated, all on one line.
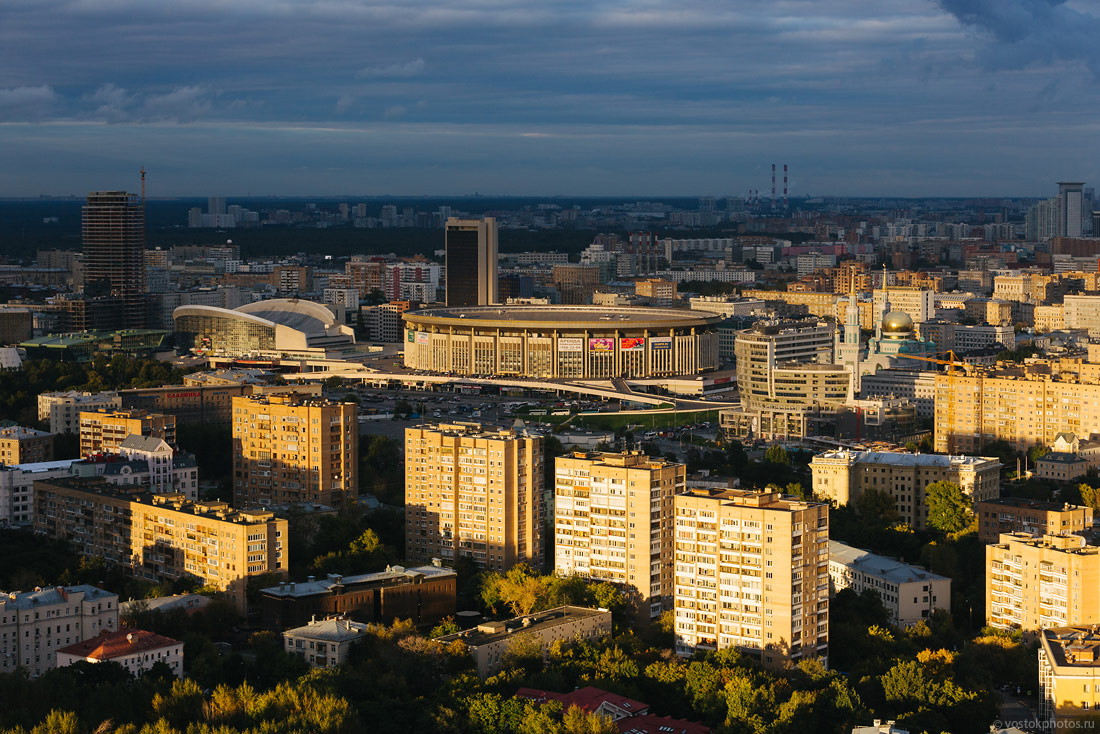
[(632, 344), (570, 344), (412, 336), (601, 344), (423, 337), (659, 343)]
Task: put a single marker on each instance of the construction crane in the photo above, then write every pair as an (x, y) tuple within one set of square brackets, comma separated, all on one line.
[(951, 362)]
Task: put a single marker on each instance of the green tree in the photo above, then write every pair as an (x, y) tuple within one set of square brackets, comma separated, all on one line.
[(877, 508), (1037, 452), (948, 507), (1090, 496), (776, 454)]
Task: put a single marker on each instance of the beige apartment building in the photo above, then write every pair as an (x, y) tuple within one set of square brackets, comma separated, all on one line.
[(104, 431), (21, 445), (162, 537), (843, 476), (1035, 517), (1069, 677), (752, 572), (475, 493), (1035, 582), (1023, 405), (613, 522), (35, 624), (290, 449)]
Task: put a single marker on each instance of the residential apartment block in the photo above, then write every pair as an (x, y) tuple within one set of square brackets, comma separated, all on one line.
[(104, 431), (135, 650), (843, 475), (63, 409), (1069, 677), (162, 537), (425, 594), (490, 642), (294, 449), (1035, 517), (909, 593), (752, 572), (34, 624), (324, 643), (1036, 582), (613, 522), (1024, 405), (475, 493), (20, 445)]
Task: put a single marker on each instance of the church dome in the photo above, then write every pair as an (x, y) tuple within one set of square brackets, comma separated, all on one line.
[(897, 325)]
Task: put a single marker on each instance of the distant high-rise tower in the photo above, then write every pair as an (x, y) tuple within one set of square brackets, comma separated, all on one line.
[(215, 205), (1071, 198), (114, 252), (471, 262)]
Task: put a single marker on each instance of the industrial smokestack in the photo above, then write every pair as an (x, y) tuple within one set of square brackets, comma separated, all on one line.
[(784, 185), (773, 186)]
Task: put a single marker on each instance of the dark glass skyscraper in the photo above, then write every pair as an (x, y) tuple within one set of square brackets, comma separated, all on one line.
[(471, 262), (114, 253)]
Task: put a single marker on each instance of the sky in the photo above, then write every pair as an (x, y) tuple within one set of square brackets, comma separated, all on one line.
[(570, 97)]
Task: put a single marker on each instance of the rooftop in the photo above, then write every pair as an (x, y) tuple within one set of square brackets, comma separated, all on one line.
[(333, 630), (111, 645), (22, 432), (35, 467), (750, 498), (136, 442), (575, 317), (900, 458), (1061, 457), (876, 565), (488, 632), (52, 595), (312, 586), (1030, 504), (1077, 647)]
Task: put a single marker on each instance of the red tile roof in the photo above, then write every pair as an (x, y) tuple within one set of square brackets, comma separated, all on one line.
[(112, 645)]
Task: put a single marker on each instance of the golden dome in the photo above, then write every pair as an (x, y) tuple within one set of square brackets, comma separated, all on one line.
[(897, 324)]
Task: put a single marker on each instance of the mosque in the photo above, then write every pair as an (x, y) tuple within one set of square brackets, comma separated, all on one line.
[(895, 339)]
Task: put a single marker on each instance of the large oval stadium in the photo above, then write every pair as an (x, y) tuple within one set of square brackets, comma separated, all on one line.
[(562, 342)]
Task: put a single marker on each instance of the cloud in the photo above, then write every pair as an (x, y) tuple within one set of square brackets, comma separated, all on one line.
[(184, 104), (112, 103), (393, 71), (1031, 32), (26, 103)]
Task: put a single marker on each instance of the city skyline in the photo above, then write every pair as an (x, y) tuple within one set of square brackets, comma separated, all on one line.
[(922, 98)]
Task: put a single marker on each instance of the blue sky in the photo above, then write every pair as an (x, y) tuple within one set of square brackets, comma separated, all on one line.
[(608, 97)]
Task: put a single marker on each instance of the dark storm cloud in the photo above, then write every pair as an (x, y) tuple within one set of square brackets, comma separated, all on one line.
[(593, 97), (1027, 32)]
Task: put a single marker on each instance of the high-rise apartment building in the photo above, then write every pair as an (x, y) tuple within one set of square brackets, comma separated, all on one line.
[(162, 537), (1035, 582), (752, 572), (289, 449), (114, 253), (473, 493), (613, 522), (471, 246), (844, 475), (104, 431), (35, 624), (1024, 405), (1035, 517)]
